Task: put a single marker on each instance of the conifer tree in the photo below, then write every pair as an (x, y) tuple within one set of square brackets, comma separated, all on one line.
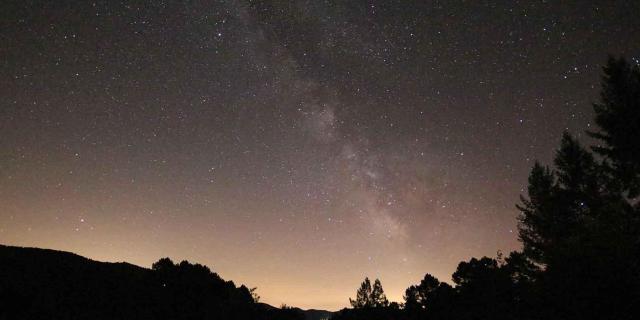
[(378, 298), (618, 116), (363, 296)]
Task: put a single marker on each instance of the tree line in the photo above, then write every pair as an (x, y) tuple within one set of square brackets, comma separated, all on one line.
[(579, 226)]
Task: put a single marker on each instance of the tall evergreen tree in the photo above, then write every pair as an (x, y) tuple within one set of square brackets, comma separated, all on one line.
[(618, 116), (368, 296), (560, 201), (537, 213), (578, 221), (363, 296), (378, 298)]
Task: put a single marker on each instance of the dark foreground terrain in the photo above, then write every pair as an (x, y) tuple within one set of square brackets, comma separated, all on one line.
[(48, 284)]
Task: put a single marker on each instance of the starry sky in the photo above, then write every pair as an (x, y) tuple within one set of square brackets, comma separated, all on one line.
[(294, 146)]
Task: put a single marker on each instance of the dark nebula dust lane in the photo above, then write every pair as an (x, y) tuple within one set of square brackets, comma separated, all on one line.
[(293, 146)]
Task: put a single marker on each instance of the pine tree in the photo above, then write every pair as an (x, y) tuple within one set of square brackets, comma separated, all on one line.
[(378, 298), (579, 220), (537, 213), (560, 201), (363, 296), (618, 116), (368, 297)]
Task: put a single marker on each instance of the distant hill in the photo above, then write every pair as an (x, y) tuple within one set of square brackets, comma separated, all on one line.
[(48, 284), (313, 314)]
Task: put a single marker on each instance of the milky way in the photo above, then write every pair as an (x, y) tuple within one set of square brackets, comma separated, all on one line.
[(293, 146)]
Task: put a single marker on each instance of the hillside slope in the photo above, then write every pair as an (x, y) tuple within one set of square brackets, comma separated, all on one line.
[(48, 284)]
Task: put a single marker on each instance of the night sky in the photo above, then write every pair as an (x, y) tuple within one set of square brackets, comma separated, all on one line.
[(292, 146)]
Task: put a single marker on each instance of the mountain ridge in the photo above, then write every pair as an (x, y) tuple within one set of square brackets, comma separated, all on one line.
[(40, 282)]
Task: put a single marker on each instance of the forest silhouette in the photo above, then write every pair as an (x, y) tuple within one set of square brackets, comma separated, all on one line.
[(579, 225)]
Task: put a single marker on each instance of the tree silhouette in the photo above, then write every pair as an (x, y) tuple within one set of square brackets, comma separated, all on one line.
[(368, 296), (363, 295), (618, 116), (164, 264), (579, 222), (431, 298), (254, 294), (559, 200), (416, 297), (378, 298)]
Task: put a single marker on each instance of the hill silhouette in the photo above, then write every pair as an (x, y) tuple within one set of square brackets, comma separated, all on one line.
[(42, 283)]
